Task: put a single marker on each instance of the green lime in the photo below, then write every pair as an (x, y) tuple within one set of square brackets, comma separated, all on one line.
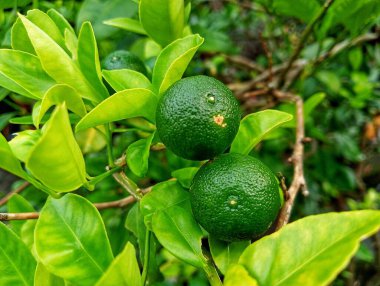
[(198, 118), (235, 197), (123, 60)]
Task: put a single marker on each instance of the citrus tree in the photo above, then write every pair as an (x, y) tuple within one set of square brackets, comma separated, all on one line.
[(131, 171)]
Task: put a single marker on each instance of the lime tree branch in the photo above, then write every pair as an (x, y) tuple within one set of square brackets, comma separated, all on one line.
[(305, 35), (18, 190), (100, 206)]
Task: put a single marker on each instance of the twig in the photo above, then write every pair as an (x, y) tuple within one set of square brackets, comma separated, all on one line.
[(305, 35), (100, 206), (6, 198), (244, 62), (298, 182), (268, 54)]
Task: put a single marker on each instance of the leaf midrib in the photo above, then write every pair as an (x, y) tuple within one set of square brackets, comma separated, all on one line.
[(14, 266)]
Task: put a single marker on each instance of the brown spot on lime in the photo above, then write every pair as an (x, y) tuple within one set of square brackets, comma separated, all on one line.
[(219, 119)]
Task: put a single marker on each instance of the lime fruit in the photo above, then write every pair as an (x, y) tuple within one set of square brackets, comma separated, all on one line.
[(197, 118), (123, 60), (235, 197)]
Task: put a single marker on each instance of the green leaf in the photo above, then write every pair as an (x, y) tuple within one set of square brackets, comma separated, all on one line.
[(60, 21), (90, 140), (45, 278), (304, 10), (173, 60), (126, 79), (138, 155), (11, 3), (71, 240), (57, 63), (176, 229), (163, 20), (8, 161), (255, 126), (16, 262), (225, 253), (56, 159), (237, 275), (122, 105), (22, 73), (17, 204), (88, 58), (328, 243), (56, 95), (163, 195), (356, 58), (124, 270), (4, 119), (27, 233), (126, 24), (23, 143), (19, 38), (185, 176)]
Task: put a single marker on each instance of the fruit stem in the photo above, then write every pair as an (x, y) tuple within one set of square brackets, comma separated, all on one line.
[(212, 274), (111, 162)]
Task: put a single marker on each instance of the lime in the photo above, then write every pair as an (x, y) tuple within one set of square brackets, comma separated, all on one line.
[(235, 197), (198, 118)]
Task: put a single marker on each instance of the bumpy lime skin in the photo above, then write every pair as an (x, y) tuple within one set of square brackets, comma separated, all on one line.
[(123, 60), (235, 197), (198, 117)]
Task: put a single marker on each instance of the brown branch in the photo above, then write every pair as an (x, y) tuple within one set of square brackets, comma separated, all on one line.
[(6, 198), (100, 206), (298, 182), (305, 35), (244, 62)]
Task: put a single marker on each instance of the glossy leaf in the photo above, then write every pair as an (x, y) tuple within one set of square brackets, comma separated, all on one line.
[(27, 233), (163, 20), (23, 143), (17, 204), (19, 38), (16, 262), (124, 270), (176, 229), (45, 278), (127, 24), (138, 155), (126, 79), (88, 58), (255, 126), (8, 161), (57, 95), (22, 73), (185, 176), (122, 105), (57, 63), (46, 162), (173, 60), (163, 195), (328, 243), (71, 240), (225, 253), (60, 21), (237, 275), (91, 140)]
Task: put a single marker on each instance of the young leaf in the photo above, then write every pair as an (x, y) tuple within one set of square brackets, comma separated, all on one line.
[(124, 270), (71, 240), (126, 79), (22, 73), (138, 155), (56, 95), (23, 143), (122, 105), (176, 229), (255, 126), (17, 204), (237, 275), (126, 24), (19, 38), (56, 159), (8, 161), (173, 60), (88, 58), (185, 176), (17, 264), (57, 63), (163, 195), (328, 242), (45, 278), (60, 21), (163, 20), (226, 254)]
